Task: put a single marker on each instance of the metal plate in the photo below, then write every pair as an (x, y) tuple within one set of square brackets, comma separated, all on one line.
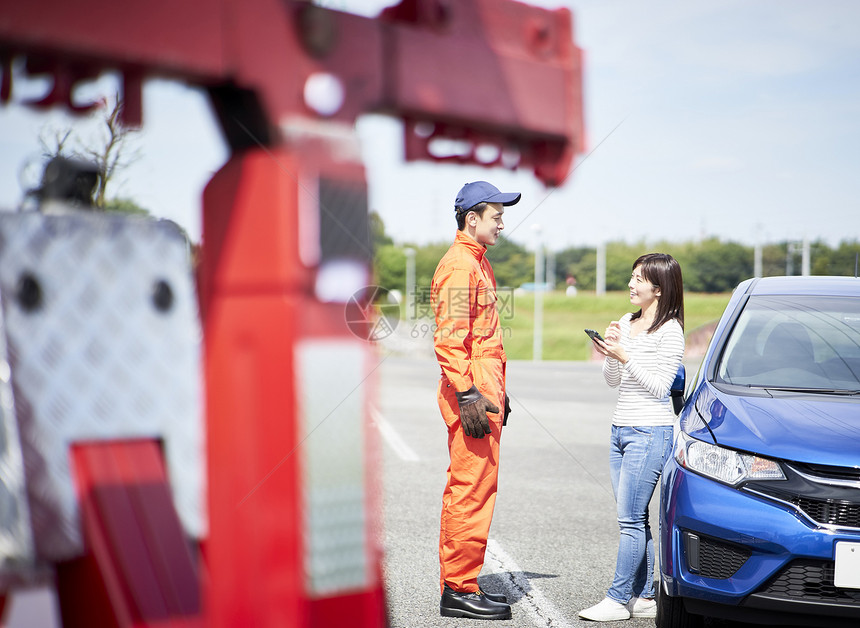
[(102, 333), (846, 575), (16, 539)]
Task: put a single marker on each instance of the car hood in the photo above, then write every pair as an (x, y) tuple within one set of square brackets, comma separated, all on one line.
[(804, 428)]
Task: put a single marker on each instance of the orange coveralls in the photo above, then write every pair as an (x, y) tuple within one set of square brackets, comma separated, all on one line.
[(468, 343)]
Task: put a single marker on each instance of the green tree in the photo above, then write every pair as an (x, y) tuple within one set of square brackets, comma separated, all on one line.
[(512, 264), (839, 261), (389, 265), (426, 260), (579, 263), (773, 259), (619, 261), (718, 266), (709, 266), (378, 236), (846, 259)]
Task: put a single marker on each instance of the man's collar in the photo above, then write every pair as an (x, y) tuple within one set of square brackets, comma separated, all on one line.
[(475, 247)]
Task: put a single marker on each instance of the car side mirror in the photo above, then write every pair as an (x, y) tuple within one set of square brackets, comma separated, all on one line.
[(676, 391)]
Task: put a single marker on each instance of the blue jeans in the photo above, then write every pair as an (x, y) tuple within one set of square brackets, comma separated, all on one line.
[(636, 459)]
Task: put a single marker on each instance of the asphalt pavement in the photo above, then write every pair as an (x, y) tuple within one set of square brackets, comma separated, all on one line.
[(554, 536)]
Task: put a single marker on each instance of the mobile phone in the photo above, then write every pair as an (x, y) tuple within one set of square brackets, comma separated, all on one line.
[(594, 335)]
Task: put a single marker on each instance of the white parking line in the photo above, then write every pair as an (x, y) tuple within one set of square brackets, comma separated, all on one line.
[(403, 451), (543, 613)]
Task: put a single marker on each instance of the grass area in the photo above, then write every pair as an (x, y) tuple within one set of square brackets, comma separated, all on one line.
[(564, 318)]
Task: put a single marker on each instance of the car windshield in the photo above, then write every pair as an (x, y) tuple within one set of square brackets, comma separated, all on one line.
[(795, 342)]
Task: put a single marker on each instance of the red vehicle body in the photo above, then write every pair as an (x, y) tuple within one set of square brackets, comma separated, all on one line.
[(289, 204)]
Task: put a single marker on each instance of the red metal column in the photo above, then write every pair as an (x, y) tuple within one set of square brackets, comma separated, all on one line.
[(259, 313), (250, 282)]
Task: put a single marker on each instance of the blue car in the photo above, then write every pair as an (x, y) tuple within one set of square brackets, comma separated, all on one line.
[(760, 500)]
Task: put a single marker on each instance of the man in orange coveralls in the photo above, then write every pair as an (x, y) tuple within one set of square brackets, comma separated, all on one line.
[(468, 343)]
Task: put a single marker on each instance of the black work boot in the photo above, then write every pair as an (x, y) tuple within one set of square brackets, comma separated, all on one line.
[(472, 605), (495, 597)]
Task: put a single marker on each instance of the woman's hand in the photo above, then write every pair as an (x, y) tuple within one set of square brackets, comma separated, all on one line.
[(612, 348), (613, 332)]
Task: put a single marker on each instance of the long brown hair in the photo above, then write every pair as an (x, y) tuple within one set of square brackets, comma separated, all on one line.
[(664, 272)]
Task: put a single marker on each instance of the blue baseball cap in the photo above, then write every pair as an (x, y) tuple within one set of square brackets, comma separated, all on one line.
[(482, 192)]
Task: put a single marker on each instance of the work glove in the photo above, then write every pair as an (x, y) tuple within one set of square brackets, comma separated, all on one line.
[(507, 409), (473, 412)]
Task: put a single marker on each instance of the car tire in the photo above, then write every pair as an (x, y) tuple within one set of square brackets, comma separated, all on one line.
[(671, 613)]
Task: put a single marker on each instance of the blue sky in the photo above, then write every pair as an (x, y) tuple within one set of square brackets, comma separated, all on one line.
[(738, 119)]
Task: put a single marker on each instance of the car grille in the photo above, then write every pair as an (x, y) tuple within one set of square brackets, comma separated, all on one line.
[(825, 495), (713, 558), (719, 560), (812, 581), (834, 473), (826, 511)]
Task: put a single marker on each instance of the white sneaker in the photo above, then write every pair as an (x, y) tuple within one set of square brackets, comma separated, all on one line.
[(642, 607), (607, 610)]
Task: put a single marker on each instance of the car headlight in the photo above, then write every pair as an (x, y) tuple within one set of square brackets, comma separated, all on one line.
[(722, 464)]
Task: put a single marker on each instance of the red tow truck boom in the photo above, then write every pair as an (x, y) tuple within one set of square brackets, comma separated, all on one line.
[(289, 519)]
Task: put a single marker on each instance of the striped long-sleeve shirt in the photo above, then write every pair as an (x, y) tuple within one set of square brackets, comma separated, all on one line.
[(644, 381)]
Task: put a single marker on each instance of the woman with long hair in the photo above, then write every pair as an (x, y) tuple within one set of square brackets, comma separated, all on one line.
[(642, 353)]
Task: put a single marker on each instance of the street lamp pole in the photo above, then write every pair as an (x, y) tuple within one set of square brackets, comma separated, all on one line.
[(410, 284), (600, 287), (537, 351)]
